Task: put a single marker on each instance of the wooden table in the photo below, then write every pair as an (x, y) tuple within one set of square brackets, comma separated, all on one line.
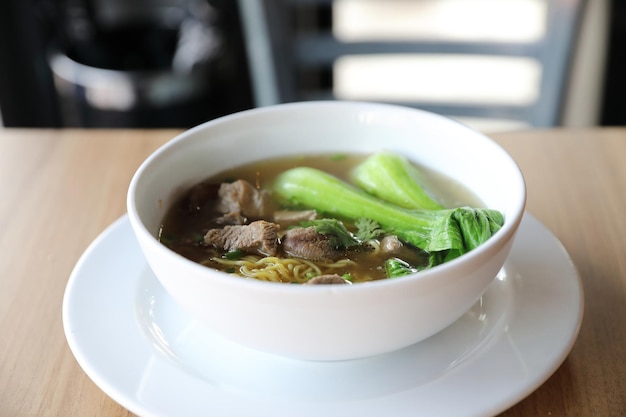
[(60, 188)]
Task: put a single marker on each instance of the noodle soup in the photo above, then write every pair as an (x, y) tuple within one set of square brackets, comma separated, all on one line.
[(336, 322), (200, 214)]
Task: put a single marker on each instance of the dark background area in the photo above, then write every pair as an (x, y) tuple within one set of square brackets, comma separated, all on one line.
[(30, 28), (613, 112), (143, 41)]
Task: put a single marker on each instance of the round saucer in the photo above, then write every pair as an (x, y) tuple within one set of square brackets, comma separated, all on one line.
[(151, 357)]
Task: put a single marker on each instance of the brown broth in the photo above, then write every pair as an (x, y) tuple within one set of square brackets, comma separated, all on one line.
[(183, 230)]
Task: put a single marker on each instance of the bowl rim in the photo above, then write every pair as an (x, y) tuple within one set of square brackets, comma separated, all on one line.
[(499, 239)]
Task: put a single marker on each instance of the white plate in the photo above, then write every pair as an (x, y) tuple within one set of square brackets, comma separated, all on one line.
[(147, 354)]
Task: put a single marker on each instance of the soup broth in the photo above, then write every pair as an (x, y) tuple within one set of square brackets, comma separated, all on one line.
[(197, 211)]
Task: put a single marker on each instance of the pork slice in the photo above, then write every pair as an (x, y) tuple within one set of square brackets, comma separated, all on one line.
[(232, 218), (259, 237), (390, 244), (242, 197), (306, 243), (292, 217), (327, 279), (198, 196)]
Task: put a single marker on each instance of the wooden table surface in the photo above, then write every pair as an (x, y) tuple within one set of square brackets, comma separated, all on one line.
[(60, 188)]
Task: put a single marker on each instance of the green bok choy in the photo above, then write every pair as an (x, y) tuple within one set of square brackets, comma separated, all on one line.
[(393, 178), (444, 233)]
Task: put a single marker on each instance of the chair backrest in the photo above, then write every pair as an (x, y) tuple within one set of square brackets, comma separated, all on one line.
[(292, 59)]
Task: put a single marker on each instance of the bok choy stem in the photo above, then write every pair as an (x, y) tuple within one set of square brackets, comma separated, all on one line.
[(444, 233), (393, 178)]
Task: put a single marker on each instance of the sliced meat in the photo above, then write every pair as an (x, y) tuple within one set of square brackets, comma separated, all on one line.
[(291, 217), (232, 218), (241, 197), (390, 244), (198, 196), (306, 243), (257, 237), (327, 279)]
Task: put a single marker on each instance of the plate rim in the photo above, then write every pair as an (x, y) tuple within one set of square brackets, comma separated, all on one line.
[(118, 394)]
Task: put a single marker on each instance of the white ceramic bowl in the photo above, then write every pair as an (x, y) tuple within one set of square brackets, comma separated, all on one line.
[(327, 322)]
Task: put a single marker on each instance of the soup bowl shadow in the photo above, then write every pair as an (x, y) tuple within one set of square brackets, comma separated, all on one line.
[(327, 322)]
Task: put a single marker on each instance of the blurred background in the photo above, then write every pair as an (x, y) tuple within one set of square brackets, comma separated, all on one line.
[(494, 64)]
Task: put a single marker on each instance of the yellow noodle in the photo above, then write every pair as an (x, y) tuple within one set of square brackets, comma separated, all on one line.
[(275, 269)]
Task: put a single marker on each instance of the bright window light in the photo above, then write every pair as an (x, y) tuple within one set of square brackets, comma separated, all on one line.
[(468, 20), (437, 78)]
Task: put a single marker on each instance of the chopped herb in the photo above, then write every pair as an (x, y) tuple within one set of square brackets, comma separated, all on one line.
[(339, 236), (234, 254), (197, 237), (338, 157), (397, 268), (167, 240), (367, 229)]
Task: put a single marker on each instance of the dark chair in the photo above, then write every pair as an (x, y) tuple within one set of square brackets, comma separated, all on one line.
[(292, 59)]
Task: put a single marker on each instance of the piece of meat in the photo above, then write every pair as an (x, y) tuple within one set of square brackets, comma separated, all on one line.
[(291, 217), (232, 218), (198, 196), (327, 279), (259, 237), (390, 244), (241, 197), (306, 243)]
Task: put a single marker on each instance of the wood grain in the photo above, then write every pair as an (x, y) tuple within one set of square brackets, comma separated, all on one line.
[(60, 188), (576, 182)]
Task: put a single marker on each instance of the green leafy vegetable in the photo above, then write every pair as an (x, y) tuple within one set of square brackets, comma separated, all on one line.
[(393, 178), (340, 237), (338, 157), (234, 254), (444, 233), (197, 237), (367, 229), (395, 267)]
